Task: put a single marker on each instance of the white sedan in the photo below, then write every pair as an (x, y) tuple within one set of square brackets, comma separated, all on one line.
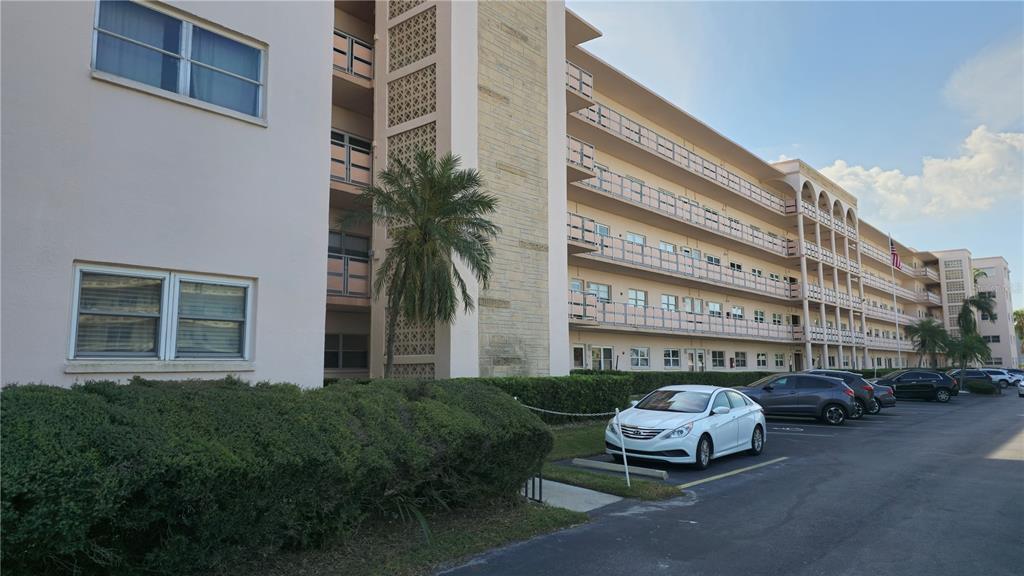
[(688, 424)]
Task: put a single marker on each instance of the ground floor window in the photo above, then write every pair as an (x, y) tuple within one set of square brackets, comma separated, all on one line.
[(741, 359), (577, 357), (640, 357), (601, 358), (136, 313), (672, 358), (762, 360), (718, 358), (346, 351), (831, 361), (780, 360)]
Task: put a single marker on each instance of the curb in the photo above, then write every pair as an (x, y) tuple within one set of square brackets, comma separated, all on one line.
[(610, 467)]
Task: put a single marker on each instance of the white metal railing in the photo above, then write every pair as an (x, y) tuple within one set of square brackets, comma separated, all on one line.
[(676, 153), (352, 56), (889, 314), (927, 273), (887, 286), (929, 297), (686, 210), (828, 257), (582, 229), (889, 343), (830, 296), (835, 336), (586, 307), (579, 80), (580, 153)]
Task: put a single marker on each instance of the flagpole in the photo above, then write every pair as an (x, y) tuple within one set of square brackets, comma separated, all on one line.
[(895, 311)]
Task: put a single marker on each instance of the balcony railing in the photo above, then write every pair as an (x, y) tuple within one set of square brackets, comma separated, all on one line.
[(836, 336), (830, 296), (581, 229), (929, 297), (580, 153), (889, 343), (587, 308), (887, 286), (685, 210), (350, 162), (831, 258), (890, 315), (579, 80), (616, 123), (348, 276), (352, 56), (926, 273)]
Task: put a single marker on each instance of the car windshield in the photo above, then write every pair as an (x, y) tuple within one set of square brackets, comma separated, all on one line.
[(676, 401), (761, 382)]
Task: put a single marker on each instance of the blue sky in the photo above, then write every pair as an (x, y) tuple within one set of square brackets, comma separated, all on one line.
[(904, 104)]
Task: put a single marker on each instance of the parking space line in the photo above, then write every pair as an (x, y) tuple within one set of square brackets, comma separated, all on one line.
[(803, 434), (731, 473)]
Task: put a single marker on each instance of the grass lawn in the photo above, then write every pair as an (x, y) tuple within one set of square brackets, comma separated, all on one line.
[(579, 440), (399, 549)]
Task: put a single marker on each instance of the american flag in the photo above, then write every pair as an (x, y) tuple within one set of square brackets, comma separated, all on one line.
[(895, 256)]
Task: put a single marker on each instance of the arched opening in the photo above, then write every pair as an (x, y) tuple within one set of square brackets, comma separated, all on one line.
[(837, 211), (851, 219), (807, 194)]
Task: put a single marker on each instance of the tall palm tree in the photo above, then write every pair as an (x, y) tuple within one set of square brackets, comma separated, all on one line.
[(966, 349), (978, 274), (983, 304), (929, 337), (1018, 326), (435, 214)]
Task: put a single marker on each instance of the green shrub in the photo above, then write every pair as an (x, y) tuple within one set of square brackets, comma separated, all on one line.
[(644, 382), (172, 478), (586, 394), (981, 387)]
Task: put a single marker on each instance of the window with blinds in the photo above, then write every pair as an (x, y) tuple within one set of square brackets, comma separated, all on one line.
[(130, 313)]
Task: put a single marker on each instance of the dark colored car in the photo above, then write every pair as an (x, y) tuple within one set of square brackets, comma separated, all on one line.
[(884, 395), (829, 399), (921, 383), (863, 392)]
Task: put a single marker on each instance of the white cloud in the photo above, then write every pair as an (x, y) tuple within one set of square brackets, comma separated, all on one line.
[(989, 169), (989, 88)]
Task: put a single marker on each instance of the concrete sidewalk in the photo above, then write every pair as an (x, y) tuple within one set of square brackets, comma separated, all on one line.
[(575, 498)]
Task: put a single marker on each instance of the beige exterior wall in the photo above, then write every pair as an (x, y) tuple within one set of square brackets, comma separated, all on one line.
[(94, 171), (1005, 352)]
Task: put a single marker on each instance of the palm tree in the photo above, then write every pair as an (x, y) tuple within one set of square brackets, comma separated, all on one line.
[(1018, 326), (435, 214), (978, 274), (928, 336), (982, 303), (966, 349)]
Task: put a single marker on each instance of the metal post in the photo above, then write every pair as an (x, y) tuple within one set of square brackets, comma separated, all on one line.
[(622, 445)]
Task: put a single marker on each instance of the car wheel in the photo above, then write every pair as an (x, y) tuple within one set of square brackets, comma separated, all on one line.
[(942, 395), (704, 449), (756, 441), (874, 407), (834, 414), (1003, 383), (858, 410)]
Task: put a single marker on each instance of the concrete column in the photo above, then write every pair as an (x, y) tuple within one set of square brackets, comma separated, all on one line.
[(559, 353), (803, 279), (835, 286)]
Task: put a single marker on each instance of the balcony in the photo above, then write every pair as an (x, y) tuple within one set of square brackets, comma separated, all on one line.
[(889, 314), (682, 209), (675, 153), (350, 161), (929, 273), (585, 310), (887, 287), (352, 56), (889, 343), (831, 258), (582, 234), (580, 158), (348, 280), (929, 298), (830, 296), (818, 215), (836, 336), (579, 85)]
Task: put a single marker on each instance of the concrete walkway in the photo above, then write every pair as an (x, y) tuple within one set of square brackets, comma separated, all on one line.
[(575, 498)]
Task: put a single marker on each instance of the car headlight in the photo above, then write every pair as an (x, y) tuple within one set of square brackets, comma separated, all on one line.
[(682, 431), (611, 427)]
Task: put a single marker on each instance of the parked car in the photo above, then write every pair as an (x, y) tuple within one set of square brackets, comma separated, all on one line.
[(1000, 377), (829, 399), (863, 392), (970, 374), (884, 395), (688, 424), (1020, 389), (921, 383)]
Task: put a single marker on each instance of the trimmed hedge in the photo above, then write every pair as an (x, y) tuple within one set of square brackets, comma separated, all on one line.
[(644, 382), (581, 394), (173, 478), (981, 387)]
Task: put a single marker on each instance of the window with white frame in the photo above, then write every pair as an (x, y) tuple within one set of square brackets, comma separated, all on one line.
[(346, 351), (667, 247), (757, 272), (578, 357), (759, 316), (156, 48), (601, 291), (694, 305), (602, 229), (736, 266), (740, 359), (640, 357), (692, 253), (714, 309), (774, 276), (576, 285), (714, 260), (780, 360), (669, 302), (776, 319), (635, 238), (135, 313), (762, 360), (718, 358), (736, 313), (672, 358), (602, 358), (637, 297)]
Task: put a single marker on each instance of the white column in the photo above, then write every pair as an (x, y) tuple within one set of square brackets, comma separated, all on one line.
[(803, 279), (558, 264)]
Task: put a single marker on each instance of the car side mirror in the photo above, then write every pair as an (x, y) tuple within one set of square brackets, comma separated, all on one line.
[(721, 410), (634, 402), (768, 388)]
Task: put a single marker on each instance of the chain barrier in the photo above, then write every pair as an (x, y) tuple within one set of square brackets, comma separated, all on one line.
[(555, 412)]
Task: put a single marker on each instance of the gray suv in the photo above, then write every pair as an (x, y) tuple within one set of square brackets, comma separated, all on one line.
[(829, 399), (863, 393)]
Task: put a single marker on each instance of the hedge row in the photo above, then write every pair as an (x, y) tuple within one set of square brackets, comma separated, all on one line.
[(644, 382), (174, 478), (981, 387)]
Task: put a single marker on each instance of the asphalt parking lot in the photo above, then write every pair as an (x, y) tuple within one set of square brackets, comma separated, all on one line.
[(922, 488)]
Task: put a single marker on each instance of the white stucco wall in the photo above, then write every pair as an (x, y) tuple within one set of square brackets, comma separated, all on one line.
[(97, 172)]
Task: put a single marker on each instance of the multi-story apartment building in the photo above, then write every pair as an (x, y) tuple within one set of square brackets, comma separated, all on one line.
[(1000, 335), (199, 222)]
